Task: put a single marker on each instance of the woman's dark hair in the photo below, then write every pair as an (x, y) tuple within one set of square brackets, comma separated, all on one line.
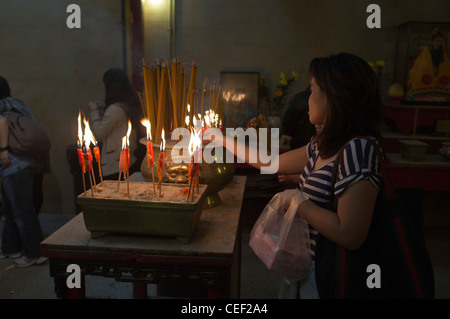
[(118, 89), (353, 100), (5, 91)]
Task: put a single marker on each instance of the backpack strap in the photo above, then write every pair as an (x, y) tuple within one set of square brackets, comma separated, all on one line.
[(401, 236), (342, 266)]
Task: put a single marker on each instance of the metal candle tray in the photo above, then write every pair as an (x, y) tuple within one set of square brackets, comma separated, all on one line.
[(156, 217)]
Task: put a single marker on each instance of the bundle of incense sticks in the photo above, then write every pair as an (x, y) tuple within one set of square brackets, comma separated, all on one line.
[(166, 94)]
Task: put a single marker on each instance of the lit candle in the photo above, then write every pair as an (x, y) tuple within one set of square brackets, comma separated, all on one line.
[(90, 136), (197, 158), (122, 161), (80, 152), (191, 164), (186, 120), (87, 154), (150, 157), (194, 167), (161, 160), (127, 157)]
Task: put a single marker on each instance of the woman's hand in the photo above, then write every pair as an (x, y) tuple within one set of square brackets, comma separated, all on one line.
[(289, 179), (96, 106), (284, 206), (297, 199), (93, 106)]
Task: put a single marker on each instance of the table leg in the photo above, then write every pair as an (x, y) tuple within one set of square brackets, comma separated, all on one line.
[(139, 290), (77, 293)]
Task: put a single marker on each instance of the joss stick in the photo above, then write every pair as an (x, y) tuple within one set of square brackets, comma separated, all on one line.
[(197, 156), (118, 181), (121, 161), (216, 107), (183, 108), (84, 183), (87, 155), (203, 96), (161, 160), (192, 87), (88, 168), (196, 111), (182, 88), (213, 93), (161, 105), (97, 157), (173, 93), (210, 97), (80, 152), (146, 101), (143, 103), (83, 167), (190, 177), (92, 188), (197, 173), (189, 92), (193, 181), (150, 159), (123, 166), (91, 167), (85, 88), (127, 170)]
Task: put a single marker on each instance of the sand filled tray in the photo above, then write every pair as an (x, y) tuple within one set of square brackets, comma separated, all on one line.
[(136, 209)]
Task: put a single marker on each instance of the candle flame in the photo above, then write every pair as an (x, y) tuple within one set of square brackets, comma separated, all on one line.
[(148, 125), (197, 140), (186, 120), (191, 144), (197, 145), (124, 142), (207, 120), (128, 133), (80, 131), (88, 136), (162, 147)]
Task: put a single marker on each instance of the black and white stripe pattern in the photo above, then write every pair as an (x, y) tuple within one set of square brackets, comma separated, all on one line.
[(359, 161)]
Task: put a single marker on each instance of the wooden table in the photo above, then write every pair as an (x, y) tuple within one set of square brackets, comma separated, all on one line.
[(212, 257)]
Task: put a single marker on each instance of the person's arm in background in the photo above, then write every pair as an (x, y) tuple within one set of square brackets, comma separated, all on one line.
[(4, 131)]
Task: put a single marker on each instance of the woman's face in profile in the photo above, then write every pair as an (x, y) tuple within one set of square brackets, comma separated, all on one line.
[(317, 105)]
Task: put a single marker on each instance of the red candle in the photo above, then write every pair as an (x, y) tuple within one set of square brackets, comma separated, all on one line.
[(161, 160), (97, 158), (150, 159), (81, 160)]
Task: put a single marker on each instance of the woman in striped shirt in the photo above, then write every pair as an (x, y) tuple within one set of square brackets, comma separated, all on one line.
[(345, 107)]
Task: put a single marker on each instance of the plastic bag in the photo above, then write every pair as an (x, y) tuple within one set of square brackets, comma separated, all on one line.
[(281, 240)]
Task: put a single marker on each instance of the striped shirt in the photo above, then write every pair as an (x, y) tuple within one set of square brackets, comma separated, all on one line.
[(359, 161)]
